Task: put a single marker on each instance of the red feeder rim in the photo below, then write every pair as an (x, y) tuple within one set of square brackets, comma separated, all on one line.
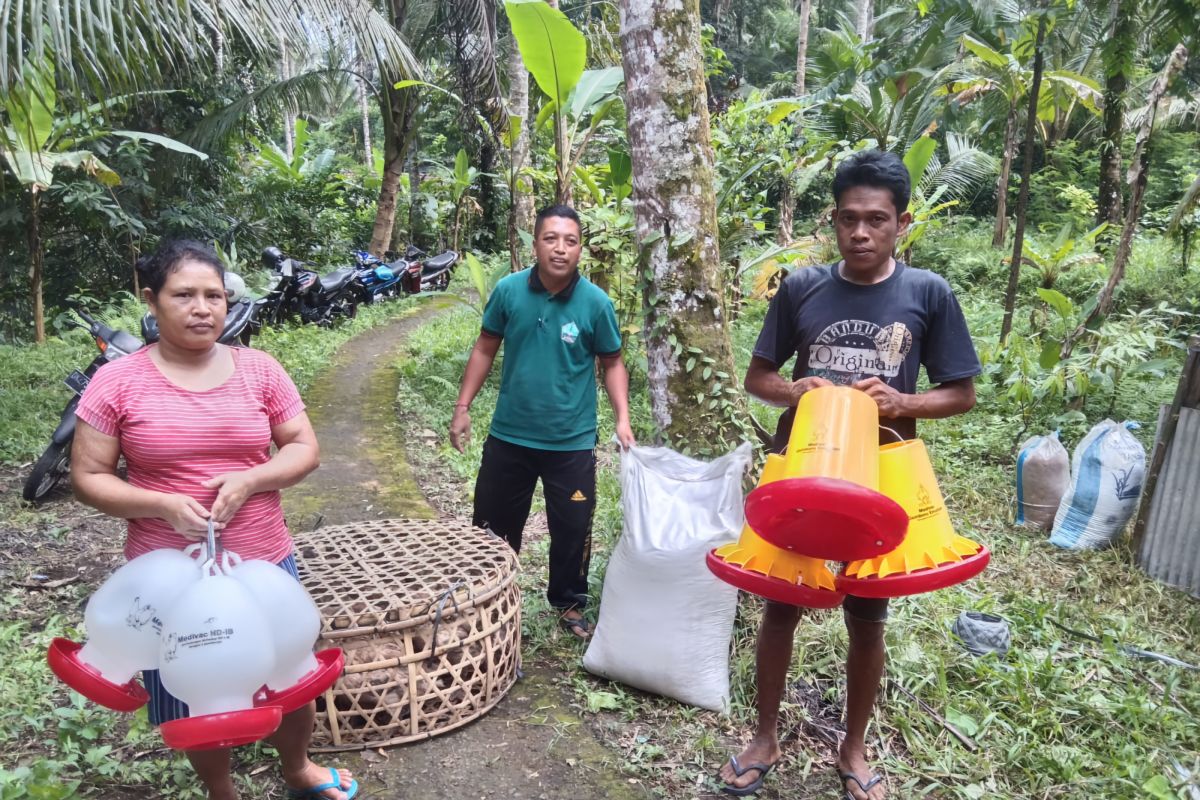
[(63, 657), (219, 731), (826, 518), (329, 668), (919, 582), (781, 591)]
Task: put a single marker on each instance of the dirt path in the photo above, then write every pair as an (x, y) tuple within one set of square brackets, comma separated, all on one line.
[(532, 745)]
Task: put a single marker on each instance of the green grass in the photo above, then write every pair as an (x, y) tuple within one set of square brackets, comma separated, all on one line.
[(1056, 717)]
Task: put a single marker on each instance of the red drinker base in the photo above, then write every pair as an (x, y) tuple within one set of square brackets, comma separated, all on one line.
[(792, 594), (826, 518), (919, 582), (63, 657), (330, 664), (219, 731)]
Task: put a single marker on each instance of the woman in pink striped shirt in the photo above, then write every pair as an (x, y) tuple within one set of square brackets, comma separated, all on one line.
[(195, 421)]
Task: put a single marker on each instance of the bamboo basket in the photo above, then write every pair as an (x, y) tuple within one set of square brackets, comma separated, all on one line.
[(428, 613)]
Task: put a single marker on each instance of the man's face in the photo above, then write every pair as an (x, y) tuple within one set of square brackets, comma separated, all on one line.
[(557, 247), (867, 228)]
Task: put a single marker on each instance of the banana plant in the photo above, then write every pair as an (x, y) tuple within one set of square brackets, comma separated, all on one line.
[(38, 141)]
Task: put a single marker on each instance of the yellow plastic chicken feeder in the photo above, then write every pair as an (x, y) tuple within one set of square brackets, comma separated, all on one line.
[(829, 506), (755, 566), (932, 556)]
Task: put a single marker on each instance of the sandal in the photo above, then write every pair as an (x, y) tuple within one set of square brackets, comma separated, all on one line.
[(865, 788), (315, 792), (751, 788), (577, 626)]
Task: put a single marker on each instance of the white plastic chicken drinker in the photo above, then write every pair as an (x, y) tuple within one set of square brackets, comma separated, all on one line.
[(299, 675), (124, 621)]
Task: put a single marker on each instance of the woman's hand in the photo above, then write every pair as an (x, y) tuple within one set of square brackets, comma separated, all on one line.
[(186, 516), (234, 488)]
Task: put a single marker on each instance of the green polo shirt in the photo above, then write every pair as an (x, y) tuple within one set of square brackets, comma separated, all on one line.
[(551, 341)]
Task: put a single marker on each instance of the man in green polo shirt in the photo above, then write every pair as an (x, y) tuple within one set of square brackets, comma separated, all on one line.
[(554, 324)]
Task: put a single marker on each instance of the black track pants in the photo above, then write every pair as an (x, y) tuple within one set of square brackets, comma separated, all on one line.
[(504, 492)]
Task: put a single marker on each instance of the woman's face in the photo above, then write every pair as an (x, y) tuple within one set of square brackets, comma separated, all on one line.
[(190, 307)]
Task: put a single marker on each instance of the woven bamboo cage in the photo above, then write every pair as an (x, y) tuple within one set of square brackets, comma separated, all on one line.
[(428, 613)]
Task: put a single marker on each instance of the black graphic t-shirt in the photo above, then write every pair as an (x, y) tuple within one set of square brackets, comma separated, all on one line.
[(846, 332)]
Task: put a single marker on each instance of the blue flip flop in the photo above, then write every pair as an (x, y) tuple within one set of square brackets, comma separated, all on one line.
[(314, 792), (743, 791)]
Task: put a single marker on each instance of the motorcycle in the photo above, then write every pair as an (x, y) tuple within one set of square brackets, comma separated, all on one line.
[(435, 272), (380, 279), (302, 293), (53, 464)]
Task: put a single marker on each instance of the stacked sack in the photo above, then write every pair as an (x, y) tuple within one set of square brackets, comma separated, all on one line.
[(1107, 468)]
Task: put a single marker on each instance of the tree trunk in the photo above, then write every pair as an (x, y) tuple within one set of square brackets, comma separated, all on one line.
[(1118, 54), (1139, 167), (562, 181), (1014, 270), (694, 396), (1010, 151), (520, 210), (802, 46), (787, 209), (364, 107), (399, 129), (864, 18), (289, 115), (34, 239)]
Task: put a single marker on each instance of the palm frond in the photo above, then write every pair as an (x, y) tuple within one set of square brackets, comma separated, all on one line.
[(102, 44), (1189, 201), (965, 169), (307, 90)]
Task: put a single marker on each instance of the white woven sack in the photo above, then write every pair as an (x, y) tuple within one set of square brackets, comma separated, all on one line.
[(665, 620), (1107, 470)]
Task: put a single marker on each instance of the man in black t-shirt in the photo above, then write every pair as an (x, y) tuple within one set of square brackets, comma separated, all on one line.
[(869, 322)]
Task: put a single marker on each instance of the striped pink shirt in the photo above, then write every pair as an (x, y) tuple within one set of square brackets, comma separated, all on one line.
[(174, 439)]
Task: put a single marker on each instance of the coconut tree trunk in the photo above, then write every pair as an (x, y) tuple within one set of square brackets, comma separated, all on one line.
[(1118, 60), (1014, 270), (1010, 151), (364, 108), (34, 240), (289, 115), (864, 18), (399, 130), (694, 396), (520, 211), (802, 45)]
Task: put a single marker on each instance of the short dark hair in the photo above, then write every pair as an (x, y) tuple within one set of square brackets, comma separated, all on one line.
[(878, 169), (556, 210), (153, 269)]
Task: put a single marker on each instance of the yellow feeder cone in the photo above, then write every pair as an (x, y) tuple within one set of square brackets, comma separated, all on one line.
[(828, 505), (759, 567), (932, 556)]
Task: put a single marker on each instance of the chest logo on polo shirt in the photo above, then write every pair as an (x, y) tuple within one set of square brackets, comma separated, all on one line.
[(570, 332), (854, 349)]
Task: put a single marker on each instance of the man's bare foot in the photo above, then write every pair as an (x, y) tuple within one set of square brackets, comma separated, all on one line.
[(312, 776), (760, 750), (865, 784)]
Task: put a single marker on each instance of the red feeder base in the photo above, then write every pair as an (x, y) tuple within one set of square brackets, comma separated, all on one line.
[(919, 582), (793, 594), (63, 657), (218, 731), (826, 518), (330, 663)]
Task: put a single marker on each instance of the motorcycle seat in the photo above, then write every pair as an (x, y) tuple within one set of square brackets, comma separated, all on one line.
[(439, 263), (336, 279)]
